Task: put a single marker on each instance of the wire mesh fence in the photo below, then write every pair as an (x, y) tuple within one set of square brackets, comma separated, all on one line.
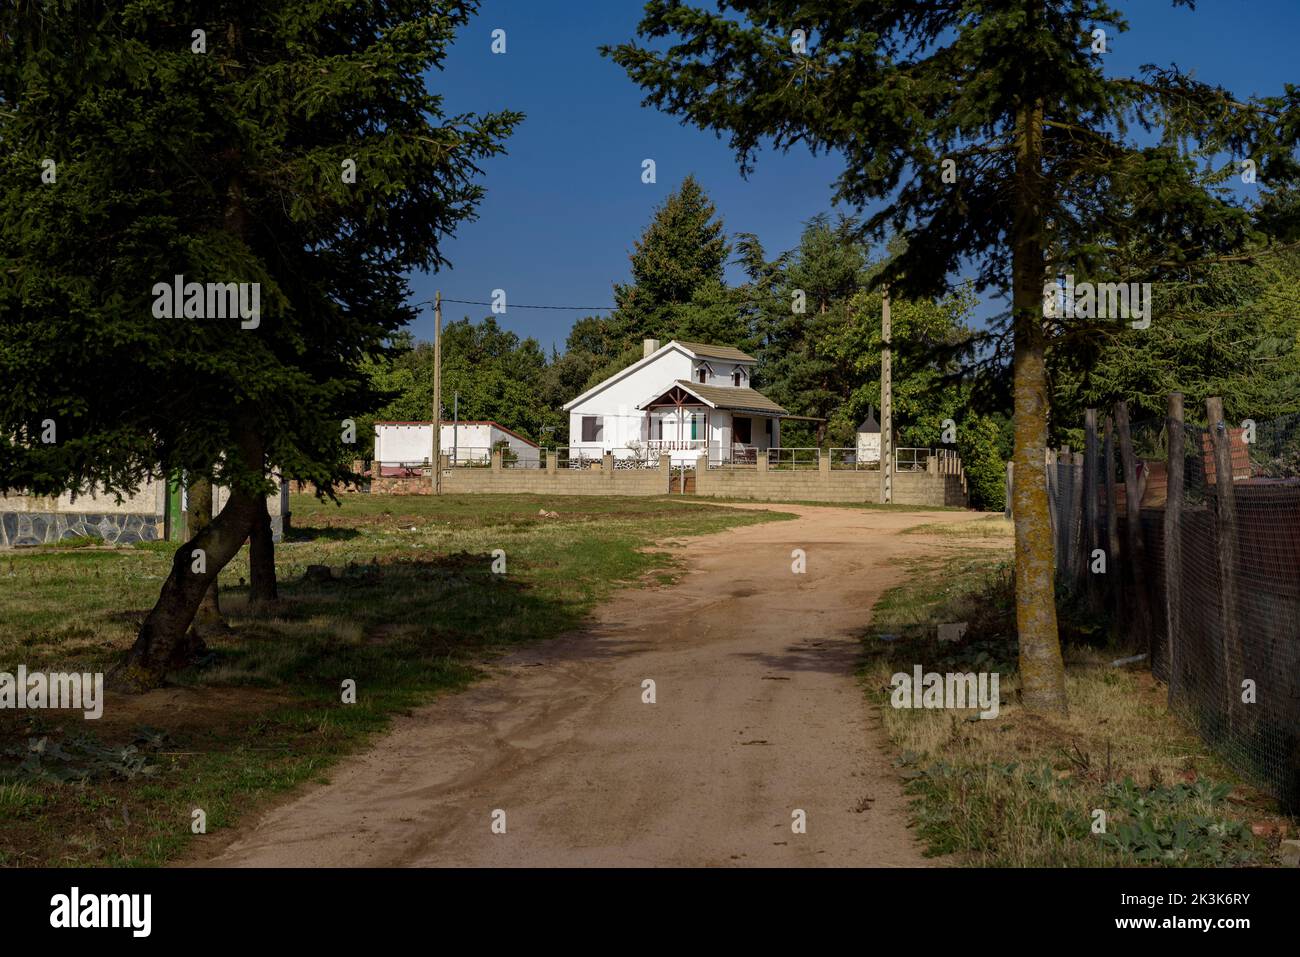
[(1186, 535)]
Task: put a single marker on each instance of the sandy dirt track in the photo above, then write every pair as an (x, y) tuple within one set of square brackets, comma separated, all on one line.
[(758, 713)]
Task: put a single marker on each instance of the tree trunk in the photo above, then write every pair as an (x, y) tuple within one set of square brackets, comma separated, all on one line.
[(198, 516), (161, 644), (1042, 669), (261, 559)]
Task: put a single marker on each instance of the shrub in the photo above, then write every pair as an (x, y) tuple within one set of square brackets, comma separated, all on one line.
[(978, 444)]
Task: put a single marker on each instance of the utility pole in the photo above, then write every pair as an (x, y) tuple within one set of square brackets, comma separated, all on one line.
[(437, 394), (886, 403)]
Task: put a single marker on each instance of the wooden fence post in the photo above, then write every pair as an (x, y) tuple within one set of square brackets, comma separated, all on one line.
[(1174, 539), (1133, 527), (1116, 582), (1078, 568), (1225, 513), (1088, 540), (1064, 498)]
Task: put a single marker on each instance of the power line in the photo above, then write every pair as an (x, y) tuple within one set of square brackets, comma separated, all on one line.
[(515, 305)]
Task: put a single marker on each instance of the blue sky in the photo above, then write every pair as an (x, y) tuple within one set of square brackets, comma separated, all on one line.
[(565, 204)]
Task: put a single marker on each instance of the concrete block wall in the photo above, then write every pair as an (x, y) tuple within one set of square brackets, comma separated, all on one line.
[(830, 485), (600, 479), (810, 485)]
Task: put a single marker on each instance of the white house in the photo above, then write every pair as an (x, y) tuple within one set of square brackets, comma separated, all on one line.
[(401, 446), (683, 398)]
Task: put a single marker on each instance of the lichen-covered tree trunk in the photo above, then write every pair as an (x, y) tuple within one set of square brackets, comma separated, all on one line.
[(162, 642), (1042, 669), (198, 516), (261, 559)]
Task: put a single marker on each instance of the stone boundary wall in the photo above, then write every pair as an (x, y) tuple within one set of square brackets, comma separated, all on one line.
[(46, 528), (27, 520), (823, 484)]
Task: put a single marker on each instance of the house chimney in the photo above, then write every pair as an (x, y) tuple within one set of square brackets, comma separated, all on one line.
[(648, 346)]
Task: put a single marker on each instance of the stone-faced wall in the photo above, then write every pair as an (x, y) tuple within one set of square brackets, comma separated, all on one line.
[(44, 520), (45, 528)]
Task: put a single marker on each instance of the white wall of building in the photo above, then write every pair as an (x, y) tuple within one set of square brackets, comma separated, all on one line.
[(412, 443), (616, 403), (623, 424)]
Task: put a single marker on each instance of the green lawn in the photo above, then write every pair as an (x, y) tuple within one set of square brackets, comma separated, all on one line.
[(414, 607)]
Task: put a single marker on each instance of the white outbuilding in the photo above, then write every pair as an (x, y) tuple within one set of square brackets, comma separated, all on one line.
[(402, 446)]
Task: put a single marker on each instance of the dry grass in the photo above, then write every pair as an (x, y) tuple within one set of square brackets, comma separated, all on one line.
[(1020, 789), (990, 526)]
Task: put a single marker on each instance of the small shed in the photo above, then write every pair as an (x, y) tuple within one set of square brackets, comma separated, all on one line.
[(868, 434)]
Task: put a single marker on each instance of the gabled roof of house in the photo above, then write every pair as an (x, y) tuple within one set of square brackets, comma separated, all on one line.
[(726, 397), (697, 349), (706, 350)]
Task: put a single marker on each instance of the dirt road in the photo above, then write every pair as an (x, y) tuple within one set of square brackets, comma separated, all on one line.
[(757, 714)]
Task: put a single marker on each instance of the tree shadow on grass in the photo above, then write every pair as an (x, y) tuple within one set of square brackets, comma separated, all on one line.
[(398, 626)]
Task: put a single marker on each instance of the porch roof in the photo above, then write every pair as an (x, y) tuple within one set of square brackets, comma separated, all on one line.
[(728, 398)]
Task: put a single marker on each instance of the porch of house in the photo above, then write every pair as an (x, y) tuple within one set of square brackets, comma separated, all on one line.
[(686, 429)]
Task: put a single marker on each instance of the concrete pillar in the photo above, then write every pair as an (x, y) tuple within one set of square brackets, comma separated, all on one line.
[(607, 465), (824, 464), (496, 460)]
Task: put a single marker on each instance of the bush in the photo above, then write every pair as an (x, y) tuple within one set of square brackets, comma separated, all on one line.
[(978, 444)]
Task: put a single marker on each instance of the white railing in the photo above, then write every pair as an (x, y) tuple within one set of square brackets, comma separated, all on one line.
[(849, 459), (911, 460), (521, 458), (738, 456), (786, 460), (466, 457), (576, 458)]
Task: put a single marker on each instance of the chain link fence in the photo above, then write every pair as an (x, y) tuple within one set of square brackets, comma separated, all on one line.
[(1207, 583)]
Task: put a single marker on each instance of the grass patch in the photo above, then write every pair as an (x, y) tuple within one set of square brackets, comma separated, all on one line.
[(413, 609), (1020, 790), (990, 526), (870, 506)]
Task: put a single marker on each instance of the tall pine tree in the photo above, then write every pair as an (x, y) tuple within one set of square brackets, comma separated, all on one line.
[(990, 133), (288, 143)]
